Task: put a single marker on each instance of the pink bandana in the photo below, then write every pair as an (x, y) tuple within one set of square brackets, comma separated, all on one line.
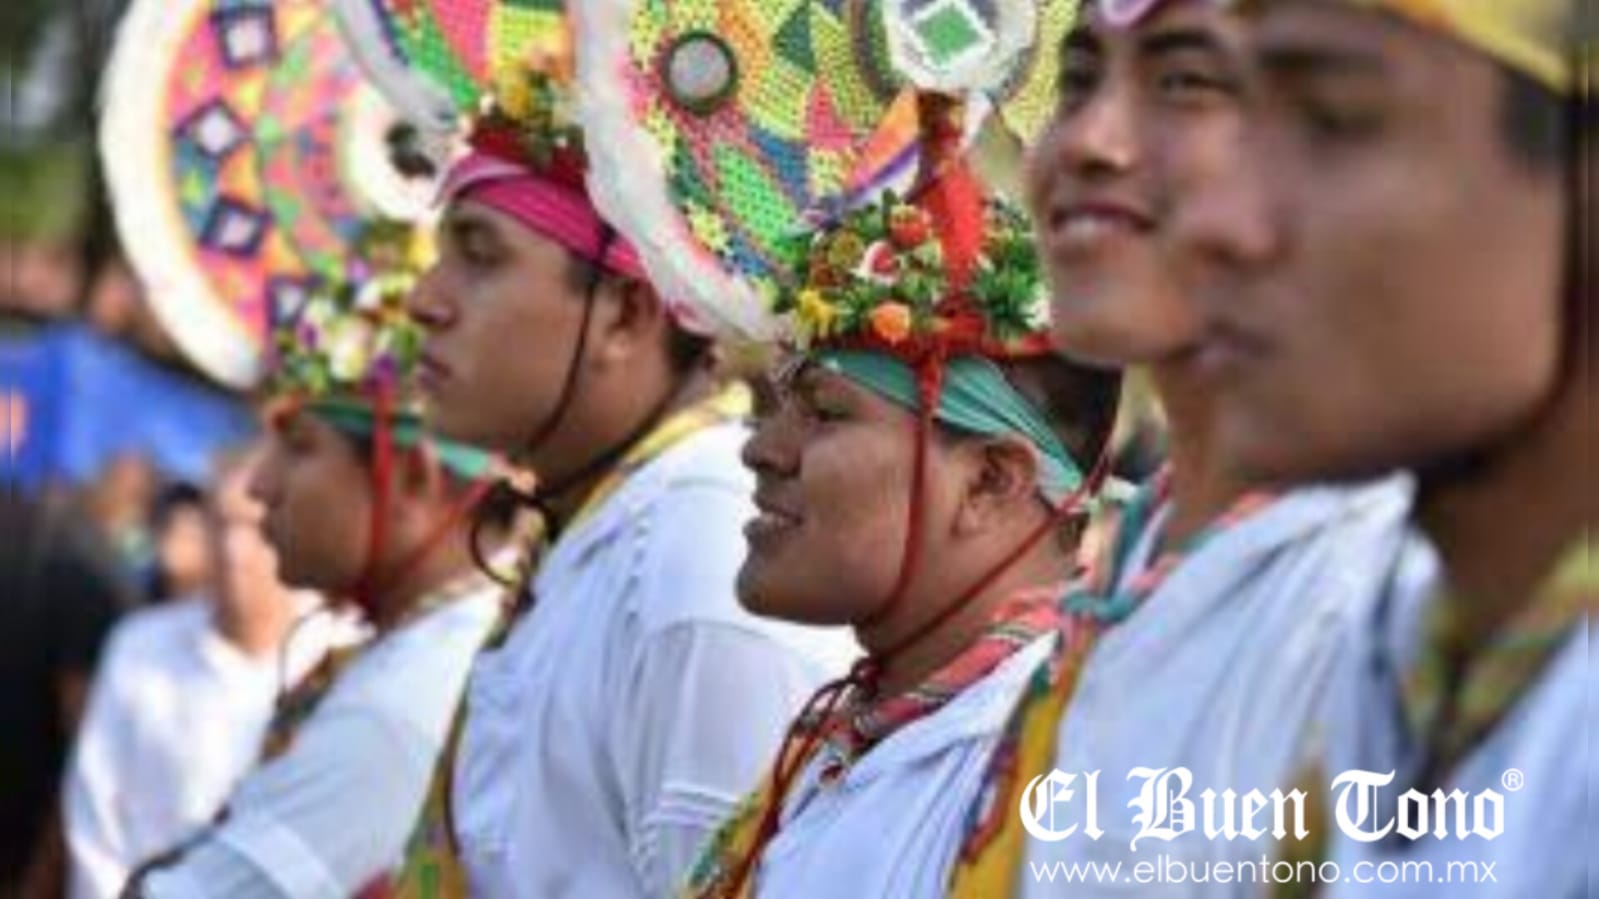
[(558, 211)]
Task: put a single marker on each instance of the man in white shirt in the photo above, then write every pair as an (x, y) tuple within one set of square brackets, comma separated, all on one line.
[(633, 702), (1238, 597), (363, 503), (181, 701), (351, 751), (1398, 275), (370, 509)]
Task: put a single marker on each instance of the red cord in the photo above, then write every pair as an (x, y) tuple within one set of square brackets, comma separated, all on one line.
[(930, 387), (820, 708), (373, 581), (381, 482), (441, 531), (1058, 514)]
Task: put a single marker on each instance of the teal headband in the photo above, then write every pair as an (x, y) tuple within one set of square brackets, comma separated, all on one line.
[(976, 398), (406, 428)]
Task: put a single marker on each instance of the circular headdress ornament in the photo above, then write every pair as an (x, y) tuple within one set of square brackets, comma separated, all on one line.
[(718, 126), (501, 72), (244, 157)]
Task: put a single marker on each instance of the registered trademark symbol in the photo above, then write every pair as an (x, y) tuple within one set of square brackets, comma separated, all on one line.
[(1513, 780)]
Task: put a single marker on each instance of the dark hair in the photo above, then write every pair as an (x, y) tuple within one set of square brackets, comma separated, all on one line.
[(685, 352), (1079, 402), (173, 499), (1534, 121), (1554, 135)]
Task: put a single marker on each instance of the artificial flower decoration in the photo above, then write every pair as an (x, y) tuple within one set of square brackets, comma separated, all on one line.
[(354, 338), (879, 276), (528, 114)]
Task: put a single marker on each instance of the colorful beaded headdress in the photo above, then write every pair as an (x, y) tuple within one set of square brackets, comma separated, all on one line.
[(244, 157), (804, 171), (500, 74), (498, 71), (353, 337), (350, 351), (268, 197), (753, 150)]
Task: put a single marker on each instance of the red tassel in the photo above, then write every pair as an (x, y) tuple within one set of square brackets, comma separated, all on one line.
[(952, 195), (956, 204)]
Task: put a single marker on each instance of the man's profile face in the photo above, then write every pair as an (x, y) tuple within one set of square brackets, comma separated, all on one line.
[(1383, 278)]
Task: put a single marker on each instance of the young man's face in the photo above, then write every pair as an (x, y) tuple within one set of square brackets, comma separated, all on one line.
[(830, 463), (502, 317), (1147, 111), (316, 493), (1382, 277)]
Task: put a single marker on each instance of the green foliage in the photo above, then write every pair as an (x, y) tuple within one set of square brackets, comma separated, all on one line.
[(43, 192)]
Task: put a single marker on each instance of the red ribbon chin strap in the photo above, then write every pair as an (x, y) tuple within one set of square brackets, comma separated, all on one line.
[(930, 388), (374, 582), (382, 480), (1058, 514), (438, 535)]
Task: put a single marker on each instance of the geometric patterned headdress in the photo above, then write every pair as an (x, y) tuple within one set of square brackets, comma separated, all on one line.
[(774, 164), (499, 74), (245, 158)]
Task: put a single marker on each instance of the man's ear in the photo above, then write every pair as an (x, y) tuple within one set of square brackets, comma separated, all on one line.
[(628, 319), (1003, 478)]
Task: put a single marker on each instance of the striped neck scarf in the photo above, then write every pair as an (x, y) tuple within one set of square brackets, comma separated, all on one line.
[(991, 858), (1453, 697), (1450, 701), (1100, 595), (866, 721)]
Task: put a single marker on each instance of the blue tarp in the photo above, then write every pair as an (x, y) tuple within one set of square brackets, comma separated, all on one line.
[(88, 399)]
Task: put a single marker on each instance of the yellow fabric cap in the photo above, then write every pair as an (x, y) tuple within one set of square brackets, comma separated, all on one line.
[(1541, 38)]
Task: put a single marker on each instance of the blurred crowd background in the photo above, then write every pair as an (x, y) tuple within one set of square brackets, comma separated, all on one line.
[(109, 441)]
